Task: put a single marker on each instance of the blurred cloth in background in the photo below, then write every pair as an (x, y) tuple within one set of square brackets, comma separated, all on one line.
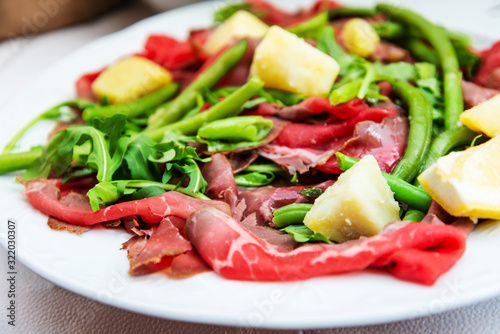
[(28, 17)]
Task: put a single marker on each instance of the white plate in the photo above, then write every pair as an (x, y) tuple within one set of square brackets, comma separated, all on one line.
[(94, 266)]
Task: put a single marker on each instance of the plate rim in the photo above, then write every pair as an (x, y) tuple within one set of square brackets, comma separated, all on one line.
[(81, 289)]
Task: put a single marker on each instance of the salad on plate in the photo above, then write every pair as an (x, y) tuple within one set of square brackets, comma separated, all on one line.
[(279, 146)]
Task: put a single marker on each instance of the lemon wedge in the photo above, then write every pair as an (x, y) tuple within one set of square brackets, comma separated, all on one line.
[(484, 118), (467, 184)]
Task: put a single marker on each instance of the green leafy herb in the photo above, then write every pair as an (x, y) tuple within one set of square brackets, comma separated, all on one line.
[(399, 71), (311, 192), (54, 113), (105, 156), (146, 192), (302, 233), (137, 157), (468, 61)]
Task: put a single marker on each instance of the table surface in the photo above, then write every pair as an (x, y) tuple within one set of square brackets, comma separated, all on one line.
[(46, 308)]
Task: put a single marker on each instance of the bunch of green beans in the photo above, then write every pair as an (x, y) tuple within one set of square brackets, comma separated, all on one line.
[(186, 100), (135, 108), (440, 41)]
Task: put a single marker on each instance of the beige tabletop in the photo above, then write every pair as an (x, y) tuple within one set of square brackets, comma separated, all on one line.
[(46, 308)]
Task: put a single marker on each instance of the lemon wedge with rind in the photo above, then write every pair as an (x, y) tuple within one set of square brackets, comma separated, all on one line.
[(484, 118), (467, 183)]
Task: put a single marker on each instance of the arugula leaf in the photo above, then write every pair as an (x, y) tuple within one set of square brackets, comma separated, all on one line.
[(302, 233), (400, 70), (146, 192), (77, 173), (105, 155), (105, 192), (181, 158), (54, 113), (137, 157)]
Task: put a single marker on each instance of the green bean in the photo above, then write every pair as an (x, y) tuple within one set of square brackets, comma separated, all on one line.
[(389, 30), (447, 141), (403, 191), (52, 113), (10, 162), (186, 100), (226, 108), (242, 128), (346, 92), (421, 51), (291, 214), (420, 134), (414, 215), (440, 41), (351, 11), (135, 108), (305, 28)]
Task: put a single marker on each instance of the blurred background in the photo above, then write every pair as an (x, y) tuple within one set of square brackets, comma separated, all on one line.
[(28, 17)]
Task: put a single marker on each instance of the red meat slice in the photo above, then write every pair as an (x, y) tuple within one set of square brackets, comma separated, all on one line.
[(474, 94), (299, 159), (165, 241), (416, 252), (299, 135), (386, 141), (275, 16), (84, 86), (311, 106), (57, 224), (300, 147), (187, 264), (168, 52), (75, 208), (219, 176), (261, 202), (490, 61)]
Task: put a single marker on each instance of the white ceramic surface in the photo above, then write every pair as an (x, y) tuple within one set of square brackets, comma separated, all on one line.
[(93, 265)]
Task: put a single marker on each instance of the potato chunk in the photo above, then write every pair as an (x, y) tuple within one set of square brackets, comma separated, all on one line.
[(360, 38), (360, 203), (485, 117), (129, 79), (239, 25), (284, 61)]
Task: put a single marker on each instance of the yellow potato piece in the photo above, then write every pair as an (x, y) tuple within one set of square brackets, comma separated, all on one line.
[(467, 184), (484, 118), (360, 203), (129, 79), (360, 38), (284, 61), (240, 25)]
